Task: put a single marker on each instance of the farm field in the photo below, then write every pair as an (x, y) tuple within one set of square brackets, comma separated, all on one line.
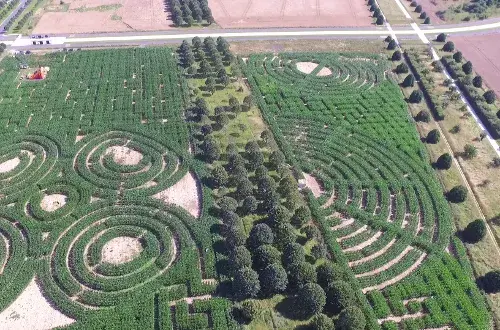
[(444, 11), (286, 13), (76, 16), (102, 214), (483, 54), (388, 222)]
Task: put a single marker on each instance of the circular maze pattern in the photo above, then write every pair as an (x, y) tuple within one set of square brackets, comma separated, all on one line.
[(98, 163), (27, 160), (80, 274)]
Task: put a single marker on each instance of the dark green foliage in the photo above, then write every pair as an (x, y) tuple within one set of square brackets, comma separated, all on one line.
[(276, 159), (477, 81), (415, 96), (441, 37), (423, 116), (475, 231), (433, 136), (328, 273), (219, 176), (265, 255), (470, 151), (284, 234), (259, 235), (427, 20), (244, 188), (312, 232), (312, 299), (418, 9), (293, 254), (351, 318), (246, 284), (402, 68), (273, 279), (239, 258), (458, 57), (249, 205), (396, 56), (490, 282), (380, 20), (249, 309), (457, 194), (444, 161), (339, 296), (301, 216), (489, 97), (211, 150), (279, 216), (423, 15), (409, 81), (392, 45), (301, 273), (467, 67), (449, 46), (318, 251), (321, 322), (227, 203)]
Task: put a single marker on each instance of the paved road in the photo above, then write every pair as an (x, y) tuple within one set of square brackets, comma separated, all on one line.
[(19, 7)]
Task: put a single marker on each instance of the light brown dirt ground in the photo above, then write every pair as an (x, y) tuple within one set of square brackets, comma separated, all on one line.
[(306, 67), (31, 311), (483, 51), (314, 185), (133, 15), (51, 203), (290, 13), (120, 250), (124, 155), (9, 165), (184, 194), (324, 72)]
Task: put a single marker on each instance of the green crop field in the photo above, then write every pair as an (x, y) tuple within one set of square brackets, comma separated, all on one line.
[(382, 210)]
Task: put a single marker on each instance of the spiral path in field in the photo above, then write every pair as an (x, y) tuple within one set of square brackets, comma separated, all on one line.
[(25, 161), (121, 160), (83, 276)]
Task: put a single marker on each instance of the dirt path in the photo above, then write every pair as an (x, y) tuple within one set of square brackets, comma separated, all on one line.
[(185, 193)]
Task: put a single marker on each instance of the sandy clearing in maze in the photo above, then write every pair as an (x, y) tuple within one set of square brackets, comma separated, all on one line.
[(185, 193), (124, 155), (313, 184), (324, 72), (290, 13), (306, 67), (53, 202), (32, 311), (90, 16), (120, 250), (9, 165)]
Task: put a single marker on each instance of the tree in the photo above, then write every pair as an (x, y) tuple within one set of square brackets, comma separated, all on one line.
[(423, 116), (312, 299), (427, 20), (234, 104), (301, 273), (351, 318), (418, 9), (496, 162), (246, 283), (239, 258), (273, 279), (276, 159), (490, 97), (441, 37), (301, 216), (444, 161), (255, 159), (388, 38), (415, 96), (259, 235), (312, 232), (266, 187), (433, 136), (477, 82), (250, 309), (458, 57), (409, 81), (423, 15), (227, 204), (284, 234), (211, 150), (224, 80), (467, 67), (380, 20), (392, 45), (377, 12), (235, 236), (318, 251), (279, 215), (201, 107), (244, 188), (449, 46), (402, 68), (210, 85), (293, 254), (490, 282), (396, 56), (413, 4), (457, 194), (248, 102), (339, 296), (475, 231), (328, 273), (205, 68), (250, 205), (470, 151), (219, 176), (265, 255), (261, 172)]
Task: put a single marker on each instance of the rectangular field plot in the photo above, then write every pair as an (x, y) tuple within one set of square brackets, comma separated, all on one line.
[(342, 120), (88, 91), (290, 13)]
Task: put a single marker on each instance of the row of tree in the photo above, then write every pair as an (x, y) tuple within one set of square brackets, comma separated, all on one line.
[(186, 12)]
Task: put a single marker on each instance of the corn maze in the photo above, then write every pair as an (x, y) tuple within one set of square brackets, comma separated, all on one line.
[(381, 205), (83, 152)]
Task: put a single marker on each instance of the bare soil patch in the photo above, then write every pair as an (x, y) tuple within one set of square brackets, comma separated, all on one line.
[(289, 13), (53, 202), (306, 67), (32, 311), (313, 184), (185, 193), (124, 155), (90, 16), (482, 51), (9, 165), (432, 7), (120, 250), (324, 72)]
